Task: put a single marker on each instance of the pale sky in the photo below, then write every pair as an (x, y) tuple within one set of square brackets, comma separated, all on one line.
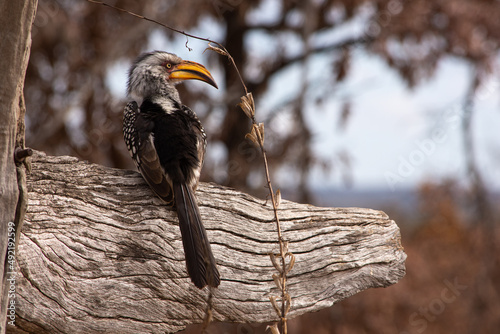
[(400, 137)]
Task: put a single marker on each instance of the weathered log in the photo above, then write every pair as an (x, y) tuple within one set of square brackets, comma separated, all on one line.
[(99, 253)]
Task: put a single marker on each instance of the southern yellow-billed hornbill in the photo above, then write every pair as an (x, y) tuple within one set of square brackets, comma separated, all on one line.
[(167, 142)]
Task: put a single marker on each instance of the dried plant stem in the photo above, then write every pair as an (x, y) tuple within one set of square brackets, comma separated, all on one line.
[(282, 282), (208, 312), (257, 136)]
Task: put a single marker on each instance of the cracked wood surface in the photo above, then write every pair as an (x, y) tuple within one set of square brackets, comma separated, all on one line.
[(99, 253)]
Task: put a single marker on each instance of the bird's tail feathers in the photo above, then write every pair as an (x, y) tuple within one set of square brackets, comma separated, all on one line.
[(200, 261)]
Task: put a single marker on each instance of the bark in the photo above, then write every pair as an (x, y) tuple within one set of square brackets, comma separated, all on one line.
[(99, 253), (16, 18)]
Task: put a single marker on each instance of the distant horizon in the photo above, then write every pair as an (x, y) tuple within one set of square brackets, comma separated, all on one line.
[(375, 198)]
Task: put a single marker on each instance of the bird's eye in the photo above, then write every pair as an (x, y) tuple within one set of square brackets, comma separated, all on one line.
[(168, 65)]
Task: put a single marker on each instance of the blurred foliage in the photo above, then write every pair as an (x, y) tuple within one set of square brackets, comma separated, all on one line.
[(71, 109), (451, 284)]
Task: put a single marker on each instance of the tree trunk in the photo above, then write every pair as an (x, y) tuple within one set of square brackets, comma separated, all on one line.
[(99, 253), (16, 18), (241, 153)]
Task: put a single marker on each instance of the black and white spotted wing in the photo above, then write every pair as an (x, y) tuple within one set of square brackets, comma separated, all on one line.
[(144, 154)]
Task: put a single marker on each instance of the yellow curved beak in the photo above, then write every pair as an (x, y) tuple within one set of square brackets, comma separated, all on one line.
[(188, 70)]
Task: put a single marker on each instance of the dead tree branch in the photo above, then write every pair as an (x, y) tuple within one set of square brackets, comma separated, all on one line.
[(100, 253)]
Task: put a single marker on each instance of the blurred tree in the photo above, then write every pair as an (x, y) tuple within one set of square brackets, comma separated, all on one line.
[(71, 109)]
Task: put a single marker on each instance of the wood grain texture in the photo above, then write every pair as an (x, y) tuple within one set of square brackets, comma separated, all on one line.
[(99, 253), (16, 20)]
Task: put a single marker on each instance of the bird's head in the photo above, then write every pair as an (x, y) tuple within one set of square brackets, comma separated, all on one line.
[(156, 73)]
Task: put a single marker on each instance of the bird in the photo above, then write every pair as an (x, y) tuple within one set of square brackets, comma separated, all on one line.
[(167, 142)]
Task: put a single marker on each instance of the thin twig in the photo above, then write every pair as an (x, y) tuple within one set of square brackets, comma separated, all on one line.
[(257, 136), (226, 53), (153, 21), (280, 236)]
